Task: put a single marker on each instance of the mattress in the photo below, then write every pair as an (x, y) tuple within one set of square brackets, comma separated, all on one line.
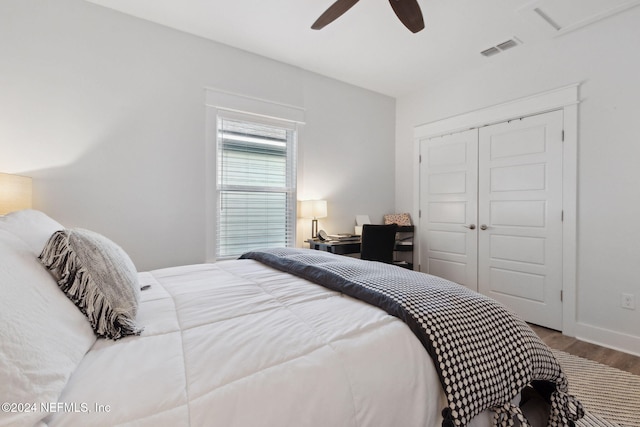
[(237, 343)]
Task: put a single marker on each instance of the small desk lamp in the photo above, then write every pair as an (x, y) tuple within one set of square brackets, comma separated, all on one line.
[(15, 193), (313, 209)]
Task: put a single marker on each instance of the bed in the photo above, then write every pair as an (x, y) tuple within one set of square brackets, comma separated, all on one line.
[(233, 343)]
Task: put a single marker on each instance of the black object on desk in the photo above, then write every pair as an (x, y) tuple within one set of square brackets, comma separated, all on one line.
[(335, 247)]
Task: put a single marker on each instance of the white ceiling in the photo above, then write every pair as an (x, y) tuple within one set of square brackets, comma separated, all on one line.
[(368, 46)]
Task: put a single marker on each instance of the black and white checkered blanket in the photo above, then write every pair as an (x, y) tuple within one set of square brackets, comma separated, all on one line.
[(484, 354)]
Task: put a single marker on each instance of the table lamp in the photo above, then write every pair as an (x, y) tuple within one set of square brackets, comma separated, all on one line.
[(15, 193), (313, 209)]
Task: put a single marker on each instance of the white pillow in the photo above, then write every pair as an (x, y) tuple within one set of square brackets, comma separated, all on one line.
[(33, 227), (43, 336)]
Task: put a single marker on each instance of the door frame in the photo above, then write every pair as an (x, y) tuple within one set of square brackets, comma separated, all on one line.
[(566, 99)]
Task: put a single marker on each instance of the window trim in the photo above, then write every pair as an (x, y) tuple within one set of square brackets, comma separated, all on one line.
[(219, 101), (290, 187)]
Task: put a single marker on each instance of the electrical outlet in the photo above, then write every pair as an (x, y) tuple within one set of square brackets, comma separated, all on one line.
[(628, 301)]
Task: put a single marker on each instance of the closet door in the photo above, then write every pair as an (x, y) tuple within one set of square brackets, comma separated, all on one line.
[(520, 216), (449, 198)]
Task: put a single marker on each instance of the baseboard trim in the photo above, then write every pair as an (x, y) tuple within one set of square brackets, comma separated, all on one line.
[(608, 338)]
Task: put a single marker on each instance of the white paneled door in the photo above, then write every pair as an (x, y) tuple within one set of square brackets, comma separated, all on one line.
[(520, 216), (449, 206), (491, 213)]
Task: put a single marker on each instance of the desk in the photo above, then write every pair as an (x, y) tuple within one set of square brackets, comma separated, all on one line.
[(340, 248)]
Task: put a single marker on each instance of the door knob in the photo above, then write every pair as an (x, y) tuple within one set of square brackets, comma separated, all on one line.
[(470, 226), (483, 227)]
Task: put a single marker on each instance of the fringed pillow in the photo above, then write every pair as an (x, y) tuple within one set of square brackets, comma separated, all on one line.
[(99, 277)]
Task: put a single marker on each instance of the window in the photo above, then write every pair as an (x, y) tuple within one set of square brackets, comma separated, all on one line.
[(256, 184)]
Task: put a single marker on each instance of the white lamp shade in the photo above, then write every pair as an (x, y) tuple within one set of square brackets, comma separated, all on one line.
[(15, 193), (313, 209)]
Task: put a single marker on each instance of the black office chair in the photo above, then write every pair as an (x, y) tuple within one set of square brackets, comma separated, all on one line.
[(378, 242)]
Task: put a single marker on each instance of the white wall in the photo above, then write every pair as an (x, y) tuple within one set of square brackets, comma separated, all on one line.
[(605, 59), (107, 113)]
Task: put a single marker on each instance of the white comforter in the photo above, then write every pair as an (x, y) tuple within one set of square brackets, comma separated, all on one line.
[(239, 344)]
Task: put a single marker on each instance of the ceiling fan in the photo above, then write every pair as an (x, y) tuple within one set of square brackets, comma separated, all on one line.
[(408, 11)]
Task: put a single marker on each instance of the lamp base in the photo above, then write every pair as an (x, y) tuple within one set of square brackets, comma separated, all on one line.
[(314, 228)]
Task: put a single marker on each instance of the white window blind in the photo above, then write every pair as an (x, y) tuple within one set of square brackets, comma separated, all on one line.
[(256, 184)]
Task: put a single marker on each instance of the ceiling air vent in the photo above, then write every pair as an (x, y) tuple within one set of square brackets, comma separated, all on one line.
[(494, 50), (491, 51), (507, 45)]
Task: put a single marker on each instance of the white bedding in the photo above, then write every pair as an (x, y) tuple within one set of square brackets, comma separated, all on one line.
[(237, 343)]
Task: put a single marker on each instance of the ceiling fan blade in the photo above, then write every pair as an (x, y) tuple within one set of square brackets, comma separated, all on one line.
[(334, 12), (408, 11)]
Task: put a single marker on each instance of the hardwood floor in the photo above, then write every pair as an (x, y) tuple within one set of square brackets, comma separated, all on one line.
[(606, 356)]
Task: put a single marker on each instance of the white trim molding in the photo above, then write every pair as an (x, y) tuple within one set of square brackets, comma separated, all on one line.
[(608, 338), (555, 99), (566, 99), (248, 104), (217, 100)]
